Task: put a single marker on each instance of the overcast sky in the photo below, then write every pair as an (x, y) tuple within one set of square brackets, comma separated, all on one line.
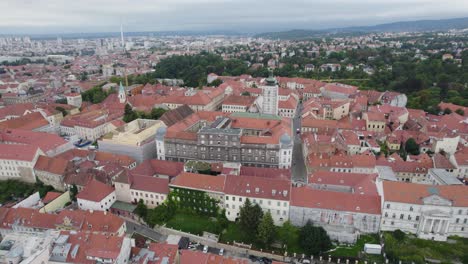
[(73, 16)]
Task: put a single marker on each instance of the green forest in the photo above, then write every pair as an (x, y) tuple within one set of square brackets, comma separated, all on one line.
[(425, 82)]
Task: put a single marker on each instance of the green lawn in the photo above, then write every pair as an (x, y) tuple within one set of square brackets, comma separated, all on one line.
[(353, 251), (416, 250), (192, 223), (235, 233)]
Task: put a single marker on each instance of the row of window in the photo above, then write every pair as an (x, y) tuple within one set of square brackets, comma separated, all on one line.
[(161, 197), (260, 201)]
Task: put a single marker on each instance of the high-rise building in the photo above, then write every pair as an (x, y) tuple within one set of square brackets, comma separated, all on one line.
[(270, 96)]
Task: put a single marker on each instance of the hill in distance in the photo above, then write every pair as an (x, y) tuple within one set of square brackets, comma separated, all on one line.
[(407, 26)]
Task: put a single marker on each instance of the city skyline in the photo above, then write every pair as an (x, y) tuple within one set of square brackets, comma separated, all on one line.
[(54, 17)]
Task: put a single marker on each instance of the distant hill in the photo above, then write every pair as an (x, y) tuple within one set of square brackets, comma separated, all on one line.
[(407, 26)]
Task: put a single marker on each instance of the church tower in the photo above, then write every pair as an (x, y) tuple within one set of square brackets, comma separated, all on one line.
[(270, 96), (122, 96)]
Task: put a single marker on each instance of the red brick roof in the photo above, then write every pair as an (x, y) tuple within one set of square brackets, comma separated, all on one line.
[(18, 152), (158, 167), (258, 187), (239, 100), (284, 174), (413, 193), (93, 245), (197, 181), (27, 122), (52, 165), (191, 257), (95, 191), (150, 184), (338, 201), (50, 196)]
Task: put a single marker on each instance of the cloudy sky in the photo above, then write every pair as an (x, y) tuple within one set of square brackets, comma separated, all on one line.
[(73, 16)]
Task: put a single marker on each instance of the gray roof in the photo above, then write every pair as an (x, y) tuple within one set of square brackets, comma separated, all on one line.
[(221, 131), (444, 177)]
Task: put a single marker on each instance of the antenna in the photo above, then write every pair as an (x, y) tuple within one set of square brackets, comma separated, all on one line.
[(122, 42)]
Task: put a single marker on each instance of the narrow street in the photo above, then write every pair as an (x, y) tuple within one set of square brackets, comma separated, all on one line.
[(299, 171), (144, 231)]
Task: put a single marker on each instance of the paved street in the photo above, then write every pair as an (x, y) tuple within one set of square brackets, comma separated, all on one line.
[(298, 168), (144, 231)]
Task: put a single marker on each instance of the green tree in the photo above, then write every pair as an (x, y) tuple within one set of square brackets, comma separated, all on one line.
[(83, 76), (141, 209), (266, 230), (156, 113), (61, 109), (215, 83), (314, 240), (460, 111), (250, 216), (245, 93), (287, 234), (161, 214), (73, 192), (129, 114), (412, 147)]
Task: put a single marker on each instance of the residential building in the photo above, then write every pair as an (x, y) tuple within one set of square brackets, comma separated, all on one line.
[(74, 99), (428, 211), (18, 161), (82, 247), (251, 139), (344, 215), (96, 196), (271, 195), (51, 171)]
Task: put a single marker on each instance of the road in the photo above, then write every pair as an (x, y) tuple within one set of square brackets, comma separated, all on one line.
[(299, 170), (144, 231)]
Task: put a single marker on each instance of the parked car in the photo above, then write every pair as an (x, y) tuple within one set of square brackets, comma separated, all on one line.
[(205, 249), (221, 252)]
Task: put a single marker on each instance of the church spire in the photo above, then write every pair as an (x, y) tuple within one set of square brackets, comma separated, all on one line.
[(122, 96)]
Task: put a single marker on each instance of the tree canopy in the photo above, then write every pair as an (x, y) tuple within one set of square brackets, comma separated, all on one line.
[(266, 230), (314, 240), (250, 216)]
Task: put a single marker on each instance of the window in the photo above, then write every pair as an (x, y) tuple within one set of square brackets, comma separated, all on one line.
[(401, 216), (388, 206), (457, 221)]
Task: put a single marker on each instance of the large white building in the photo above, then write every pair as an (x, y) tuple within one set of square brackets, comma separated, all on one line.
[(270, 194), (344, 215), (428, 211), (18, 161)]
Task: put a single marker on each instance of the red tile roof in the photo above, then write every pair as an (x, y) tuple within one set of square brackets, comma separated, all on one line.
[(18, 152), (150, 184), (338, 201), (258, 187), (95, 191), (50, 196), (239, 100), (284, 174), (197, 181), (52, 165), (413, 193), (93, 246), (159, 167), (27, 122)]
